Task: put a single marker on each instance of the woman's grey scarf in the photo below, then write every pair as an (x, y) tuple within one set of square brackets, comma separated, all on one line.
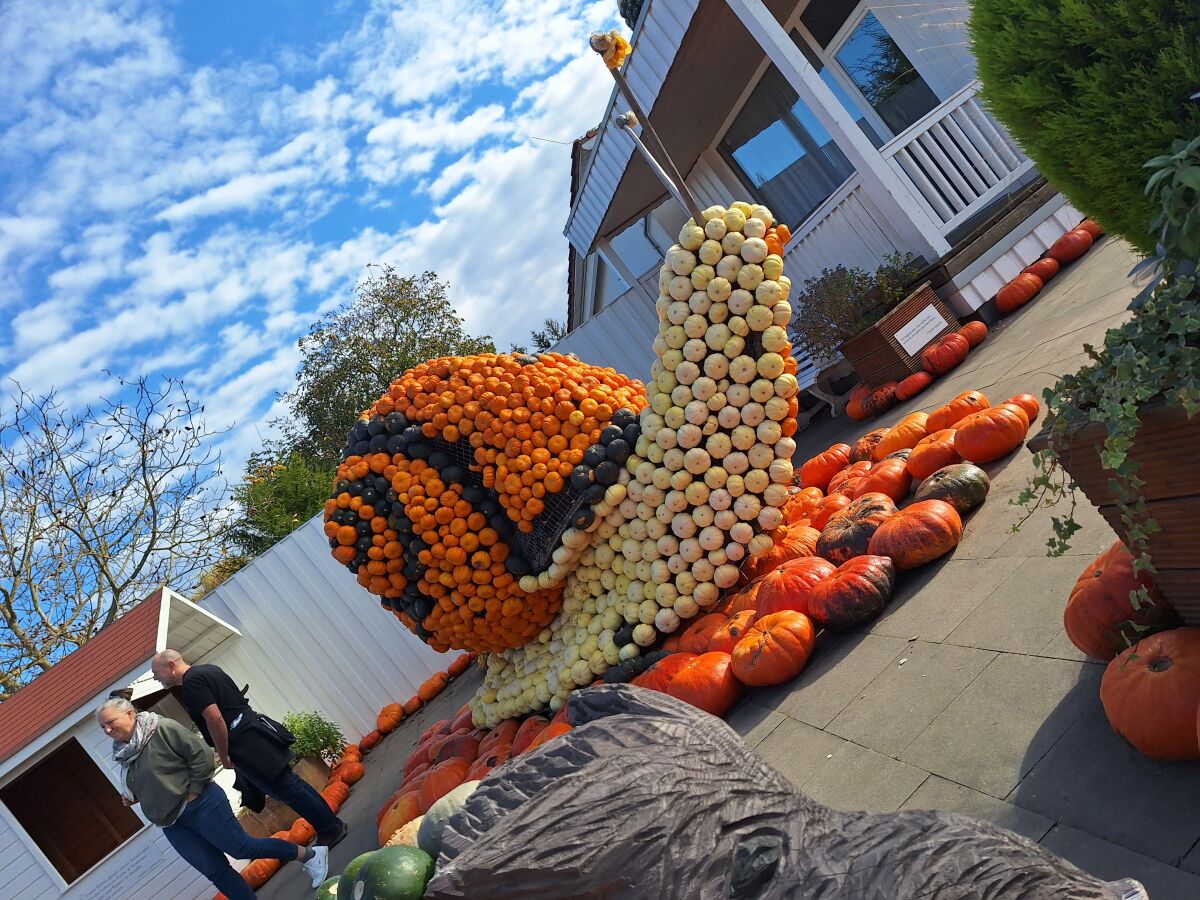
[(125, 752)]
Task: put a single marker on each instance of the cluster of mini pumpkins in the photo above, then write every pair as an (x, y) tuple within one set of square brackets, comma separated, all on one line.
[(702, 490), (462, 464)]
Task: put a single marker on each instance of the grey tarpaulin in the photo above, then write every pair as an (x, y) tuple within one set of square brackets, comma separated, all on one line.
[(649, 797)]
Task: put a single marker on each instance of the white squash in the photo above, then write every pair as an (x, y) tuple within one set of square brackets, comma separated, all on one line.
[(770, 365), (740, 302), (715, 228), (719, 289), (717, 445), (738, 395), (673, 459), (759, 317), (760, 545), (716, 366), (686, 371), (755, 228), (731, 244), (735, 220), (785, 448), (703, 388), (728, 267), (718, 312), (703, 515), (739, 326), (717, 401), (696, 460), (683, 526), (710, 253), (700, 302), (701, 276), (780, 471), (754, 250), (761, 456), (743, 370), (775, 495), (756, 481), (749, 276), (769, 431), (753, 413), (773, 267), (782, 311), (775, 339), (683, 261), (691, 236), (769, 518), (729, 417), (735, 463), (725, 576)]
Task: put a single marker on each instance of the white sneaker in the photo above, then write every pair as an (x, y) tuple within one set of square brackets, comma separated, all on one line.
[(318, 867)]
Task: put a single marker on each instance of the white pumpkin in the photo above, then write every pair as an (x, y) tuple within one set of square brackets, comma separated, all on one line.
[(701, 276), (740, 302), (770, 365), (731, 244), (728, 267), (691, 236), (749, 276), (715, 229), (759, 317), (743, 370), (710, 253), (735, 220), (755, 228), (773, 267), (719, 289)]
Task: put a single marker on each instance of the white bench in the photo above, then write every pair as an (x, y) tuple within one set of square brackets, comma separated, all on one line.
[(807, 373)]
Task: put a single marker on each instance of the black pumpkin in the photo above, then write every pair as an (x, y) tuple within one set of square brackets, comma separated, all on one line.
[(962, 485)]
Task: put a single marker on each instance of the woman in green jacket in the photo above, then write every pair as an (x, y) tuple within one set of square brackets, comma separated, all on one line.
[(169, 771)]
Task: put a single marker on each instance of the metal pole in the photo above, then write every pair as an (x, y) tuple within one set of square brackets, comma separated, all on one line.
[(627, 122)]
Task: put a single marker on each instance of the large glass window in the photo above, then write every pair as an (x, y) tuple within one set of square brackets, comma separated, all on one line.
[(782, 152), (886, 77), (70, 810)]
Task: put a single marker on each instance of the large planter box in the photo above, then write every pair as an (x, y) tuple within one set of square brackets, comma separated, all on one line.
[(1164, 450), (891, 348)]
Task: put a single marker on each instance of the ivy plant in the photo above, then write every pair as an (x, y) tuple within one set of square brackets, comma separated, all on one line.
[(1154, 356), (315, 736)]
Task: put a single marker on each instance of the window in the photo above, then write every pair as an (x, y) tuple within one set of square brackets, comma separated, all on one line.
[(71, 810), (782, 152), (888, 81)]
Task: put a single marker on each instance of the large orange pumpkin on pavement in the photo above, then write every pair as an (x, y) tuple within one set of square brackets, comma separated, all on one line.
[(775, 649), (918, 534)]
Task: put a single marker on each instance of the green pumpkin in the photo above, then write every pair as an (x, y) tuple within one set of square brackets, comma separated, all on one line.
[(962, 485), (352, 867), (393, 873), (429, 836), (328, 888)]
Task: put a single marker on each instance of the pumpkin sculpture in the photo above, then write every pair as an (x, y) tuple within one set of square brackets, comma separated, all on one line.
[(959, 408), (788, 587), (775, 649), (849, 532), (856, 593), (943, 355), (1151, 692), (1018, 292), (888, 477), (988, 435), (818, 470), (962, 485), (918, 534), (933, 452), (1101, 619)]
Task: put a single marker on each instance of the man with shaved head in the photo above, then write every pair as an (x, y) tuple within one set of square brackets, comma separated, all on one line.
[(256, 747)]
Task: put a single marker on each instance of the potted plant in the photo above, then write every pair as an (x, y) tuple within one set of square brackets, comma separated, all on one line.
[(856, 314), (319, 744), (1123, 428)]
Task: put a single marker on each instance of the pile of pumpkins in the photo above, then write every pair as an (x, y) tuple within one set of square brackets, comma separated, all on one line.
[(1029, 283), (941, 356), (349, 770), (1150, 689)]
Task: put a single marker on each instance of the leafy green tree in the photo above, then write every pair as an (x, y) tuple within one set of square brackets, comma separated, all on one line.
[(350, 356), (275, 497), (541, 340), (1092, 89)]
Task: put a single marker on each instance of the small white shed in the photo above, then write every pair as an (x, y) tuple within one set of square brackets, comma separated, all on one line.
[(294, 626)]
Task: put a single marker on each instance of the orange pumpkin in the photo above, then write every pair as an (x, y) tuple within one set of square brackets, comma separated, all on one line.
[(726, 636), (840, 483), (696, 637), (856, 593), (817, 471), (913, 385), (789, 585), (529, 729), (351, 772), (301, 832), (706, 682), (1071, 245), (460, 665), (1018, 292), (549, 733), (370, 740), (432, 686), (775, 649), (880, 400), (441, 780), (796, 542), (413, 705), (945, 354), (904, 434), (849, 532), (1151, 692), (888, 477), (864, 447), (259, 871), (742, 600), (389, 718), (1045, 268), (398, 813), (1027, 402), (959, 408), (988, 435), (659, 675), (801, 504), (1092, 227), (918, 534), (974, 332), (933, 452), (830, 505)]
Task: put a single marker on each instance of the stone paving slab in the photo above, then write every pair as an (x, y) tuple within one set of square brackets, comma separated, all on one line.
[(938, 793), (840, 667), (1004, 722), (859, 778), (800, 752), (892, 711), (1107, 860), (932, 601), (1092, 779), (1024, 611), (753, 722)]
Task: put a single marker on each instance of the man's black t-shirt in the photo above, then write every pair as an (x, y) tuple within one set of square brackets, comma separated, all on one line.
[(204, 685)]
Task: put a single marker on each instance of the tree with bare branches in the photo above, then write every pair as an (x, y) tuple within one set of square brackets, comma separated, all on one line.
[(97, 509)]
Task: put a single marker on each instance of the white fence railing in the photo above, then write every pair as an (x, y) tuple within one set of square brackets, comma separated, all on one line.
[(958, 158)]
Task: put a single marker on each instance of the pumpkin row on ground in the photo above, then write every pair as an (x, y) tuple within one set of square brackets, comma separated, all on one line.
[(1029, 283)]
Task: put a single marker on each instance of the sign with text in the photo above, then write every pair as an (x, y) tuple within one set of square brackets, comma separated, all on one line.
[(125, 869), (921, 330)]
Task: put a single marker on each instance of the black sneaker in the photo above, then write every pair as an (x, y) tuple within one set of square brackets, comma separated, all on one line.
[(333, 839)]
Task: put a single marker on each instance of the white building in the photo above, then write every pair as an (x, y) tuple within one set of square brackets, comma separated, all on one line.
[(294, 625), (858, 123)]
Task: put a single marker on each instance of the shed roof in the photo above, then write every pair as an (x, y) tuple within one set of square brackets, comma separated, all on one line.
[(163, 619)]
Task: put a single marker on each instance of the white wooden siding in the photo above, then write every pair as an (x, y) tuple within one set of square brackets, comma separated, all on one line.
[(619, 336), (21, 874), (314, 639)]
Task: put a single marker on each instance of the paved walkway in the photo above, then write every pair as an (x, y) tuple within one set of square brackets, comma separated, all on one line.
[(965, 695)]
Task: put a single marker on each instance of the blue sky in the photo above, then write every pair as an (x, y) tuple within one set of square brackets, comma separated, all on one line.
[(185, 187)]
